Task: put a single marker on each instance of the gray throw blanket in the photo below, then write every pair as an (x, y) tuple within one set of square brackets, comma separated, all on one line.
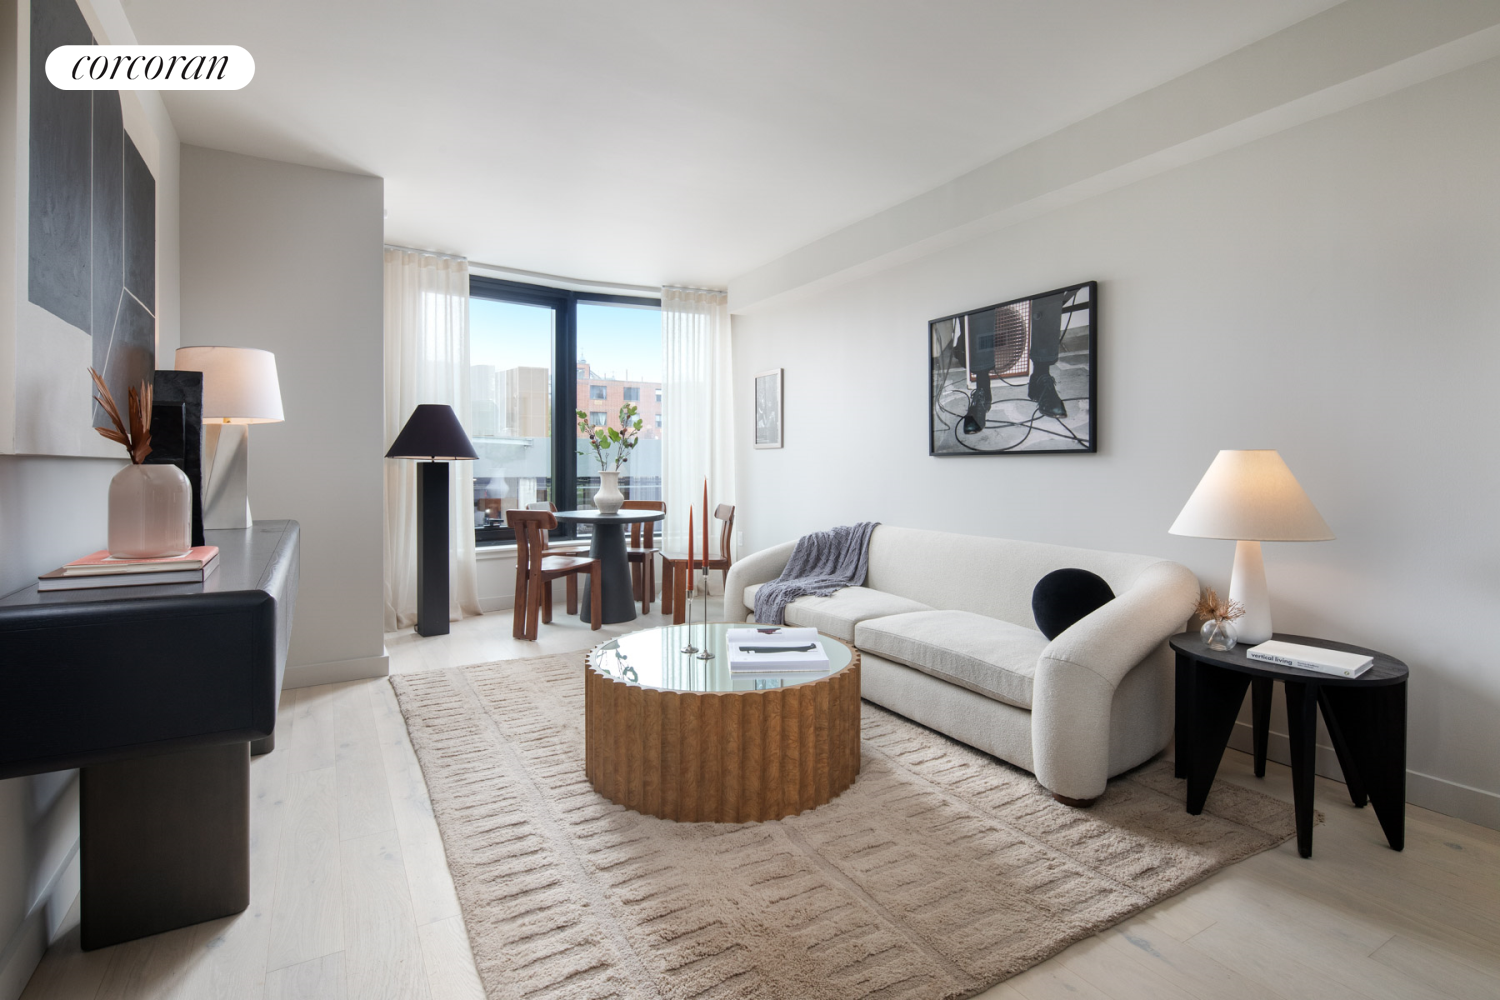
[(822, 562)]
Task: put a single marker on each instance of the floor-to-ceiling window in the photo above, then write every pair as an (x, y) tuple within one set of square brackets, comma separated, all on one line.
[(523, 415)]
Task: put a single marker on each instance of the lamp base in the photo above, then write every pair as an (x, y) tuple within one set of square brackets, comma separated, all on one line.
[(1247, 585), (432, 548), (226, 494)]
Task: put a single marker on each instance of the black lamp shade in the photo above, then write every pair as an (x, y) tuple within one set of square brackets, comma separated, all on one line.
[(433, 432)]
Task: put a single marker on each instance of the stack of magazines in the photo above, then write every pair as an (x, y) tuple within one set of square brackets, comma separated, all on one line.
[(103, 570), (775, 649)]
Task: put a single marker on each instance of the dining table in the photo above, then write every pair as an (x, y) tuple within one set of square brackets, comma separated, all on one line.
[(607, 544)]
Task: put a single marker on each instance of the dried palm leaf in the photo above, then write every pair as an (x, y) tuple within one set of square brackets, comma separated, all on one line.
[(136, 439)]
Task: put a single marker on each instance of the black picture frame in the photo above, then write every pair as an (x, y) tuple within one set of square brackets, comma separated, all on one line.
[(177, 432), (1019, 377)]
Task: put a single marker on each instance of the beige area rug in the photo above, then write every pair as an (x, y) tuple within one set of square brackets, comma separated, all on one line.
[(939, 873)]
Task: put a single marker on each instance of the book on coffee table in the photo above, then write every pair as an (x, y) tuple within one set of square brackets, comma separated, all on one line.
[(775, 648)]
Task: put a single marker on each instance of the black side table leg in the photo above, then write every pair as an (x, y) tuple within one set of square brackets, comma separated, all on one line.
[(1217, 697), (1183, 749), (1348, 762), (1302, 731), (1372, 723), (1260, 710)]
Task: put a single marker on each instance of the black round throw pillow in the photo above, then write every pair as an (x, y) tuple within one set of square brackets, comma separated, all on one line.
[(1065, 595)]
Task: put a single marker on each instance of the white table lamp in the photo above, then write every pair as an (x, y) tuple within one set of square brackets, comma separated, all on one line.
[(1251, 497), (239, 388)]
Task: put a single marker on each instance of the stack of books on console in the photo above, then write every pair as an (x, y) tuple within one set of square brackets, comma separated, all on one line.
[(775, 649), (103, 570)]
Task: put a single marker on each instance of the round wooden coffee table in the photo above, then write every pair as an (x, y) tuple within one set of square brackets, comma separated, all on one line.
[(673, 736)]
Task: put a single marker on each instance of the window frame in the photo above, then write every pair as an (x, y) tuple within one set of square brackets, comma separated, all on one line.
[(563, 485)]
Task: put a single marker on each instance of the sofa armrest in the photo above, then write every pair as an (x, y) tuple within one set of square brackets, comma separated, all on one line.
[(1077, 674), (761, 567)]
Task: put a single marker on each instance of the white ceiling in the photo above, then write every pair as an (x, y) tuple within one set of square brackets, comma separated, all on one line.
[(655, 141)]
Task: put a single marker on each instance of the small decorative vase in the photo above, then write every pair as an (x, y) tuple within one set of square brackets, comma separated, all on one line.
[(1219, 634), (609, 498), (150, 512)]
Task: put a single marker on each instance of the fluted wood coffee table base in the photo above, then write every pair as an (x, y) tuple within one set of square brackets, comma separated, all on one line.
[(723, 757)]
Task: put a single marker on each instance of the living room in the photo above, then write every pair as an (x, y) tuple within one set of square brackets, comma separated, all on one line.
[(793, 243)]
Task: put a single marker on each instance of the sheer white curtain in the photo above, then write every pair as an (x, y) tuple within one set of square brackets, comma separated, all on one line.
[(426, 361), (697, 402)]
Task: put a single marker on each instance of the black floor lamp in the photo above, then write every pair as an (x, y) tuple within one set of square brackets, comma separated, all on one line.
[(432, 432)]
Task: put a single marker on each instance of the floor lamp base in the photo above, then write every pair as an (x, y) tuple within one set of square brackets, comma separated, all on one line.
[(432, 548)]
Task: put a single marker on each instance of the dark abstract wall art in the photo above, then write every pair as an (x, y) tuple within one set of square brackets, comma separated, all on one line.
[(89, 241)]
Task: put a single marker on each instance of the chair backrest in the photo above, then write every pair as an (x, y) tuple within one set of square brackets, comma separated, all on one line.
[(543, 505), (531, 527), (725, 512), (642, 535)]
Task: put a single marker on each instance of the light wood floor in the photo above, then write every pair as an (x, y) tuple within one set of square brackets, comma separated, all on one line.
[(351, 896)]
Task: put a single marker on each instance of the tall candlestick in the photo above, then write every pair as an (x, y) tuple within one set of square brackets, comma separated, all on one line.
[(690, 589), (705, 527)]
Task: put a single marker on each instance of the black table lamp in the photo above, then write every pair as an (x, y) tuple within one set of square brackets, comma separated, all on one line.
[(432, 432)]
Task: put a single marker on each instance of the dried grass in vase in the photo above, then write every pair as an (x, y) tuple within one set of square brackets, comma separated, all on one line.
[(1211, 608), (137, 437)]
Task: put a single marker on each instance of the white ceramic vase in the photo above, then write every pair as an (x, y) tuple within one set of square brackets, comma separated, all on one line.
[(609, 498), (150, 512)]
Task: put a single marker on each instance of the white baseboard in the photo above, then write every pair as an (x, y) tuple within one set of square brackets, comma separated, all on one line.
[(1473, 805), (336, 671), (1453, 799)]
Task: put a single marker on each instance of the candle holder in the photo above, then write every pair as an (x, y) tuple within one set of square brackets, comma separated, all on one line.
[(705, 654), (691, 591)]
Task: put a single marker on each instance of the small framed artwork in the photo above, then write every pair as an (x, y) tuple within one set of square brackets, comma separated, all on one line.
[(1016, 378), (768, 409)]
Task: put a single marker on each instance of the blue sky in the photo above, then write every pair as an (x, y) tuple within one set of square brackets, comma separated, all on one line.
[(618, 341)]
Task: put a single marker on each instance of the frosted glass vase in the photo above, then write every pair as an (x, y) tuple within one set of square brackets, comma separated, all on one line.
[(150, 512), (609, 498)]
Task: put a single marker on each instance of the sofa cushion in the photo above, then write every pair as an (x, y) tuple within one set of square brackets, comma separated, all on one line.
[(750, 592), (838, 613), (985, 655)]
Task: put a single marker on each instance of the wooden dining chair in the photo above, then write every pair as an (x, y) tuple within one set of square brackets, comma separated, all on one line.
[(567, 548), (641, 551), (674, 575), (535, 571)]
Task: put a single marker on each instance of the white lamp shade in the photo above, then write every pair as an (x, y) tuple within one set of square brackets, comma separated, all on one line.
[(239, 383), (1251, 496)]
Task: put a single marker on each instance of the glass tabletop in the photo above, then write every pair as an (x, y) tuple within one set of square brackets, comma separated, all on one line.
[(653, 658)]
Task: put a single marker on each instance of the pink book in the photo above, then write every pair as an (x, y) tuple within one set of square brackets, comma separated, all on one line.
[(101, 563)]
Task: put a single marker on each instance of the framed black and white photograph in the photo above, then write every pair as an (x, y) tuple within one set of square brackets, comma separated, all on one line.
[(768, 409), (1016, 378)]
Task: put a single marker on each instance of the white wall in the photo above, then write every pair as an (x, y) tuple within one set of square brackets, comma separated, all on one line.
[(52, 510), (288, 259), (1329, 291)]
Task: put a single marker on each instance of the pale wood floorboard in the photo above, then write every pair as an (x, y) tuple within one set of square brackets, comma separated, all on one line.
[(351, 895)]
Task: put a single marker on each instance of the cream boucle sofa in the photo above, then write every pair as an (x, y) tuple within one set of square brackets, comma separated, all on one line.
[(946, 636)]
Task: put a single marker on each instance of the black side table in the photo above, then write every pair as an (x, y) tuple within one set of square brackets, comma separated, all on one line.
[(1365, 715)]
